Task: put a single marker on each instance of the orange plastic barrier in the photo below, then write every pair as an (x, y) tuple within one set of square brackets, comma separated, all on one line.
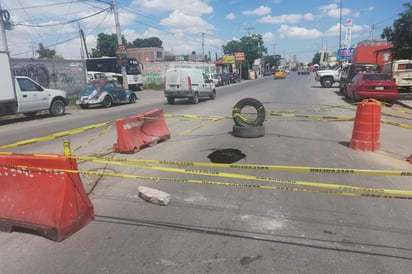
[(136, 132), (41, 198), (366, 130)]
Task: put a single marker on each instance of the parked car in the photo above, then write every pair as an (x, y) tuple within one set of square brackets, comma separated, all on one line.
[(234, 77), (349, 71), (223, 79), (105, 93), (214, 78), (328, 77), (374, 85), (279, 74), (188, 83)]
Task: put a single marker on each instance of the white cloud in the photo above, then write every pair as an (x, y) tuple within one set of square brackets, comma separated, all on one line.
[(260, 11), (282, 19), (286, 31), (334, 30), (180, 22), (231, 16), (268, 37), (194, 7), (308, 17), (333, 10)]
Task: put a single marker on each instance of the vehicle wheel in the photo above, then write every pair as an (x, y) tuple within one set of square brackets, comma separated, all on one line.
[(241, 120), (83, 106), (249, 131), (57, 108), (107, 102), (213, 95), (345, 92), (171, 100), (195, 98), (327, 82), (353, 99), (132, 98), (30, 114)]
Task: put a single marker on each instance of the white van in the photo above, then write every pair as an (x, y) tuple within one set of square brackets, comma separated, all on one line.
[(188, 83), (401, 72)]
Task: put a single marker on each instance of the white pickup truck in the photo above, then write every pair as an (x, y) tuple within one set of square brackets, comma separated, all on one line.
[(328, 77), (22, 95)]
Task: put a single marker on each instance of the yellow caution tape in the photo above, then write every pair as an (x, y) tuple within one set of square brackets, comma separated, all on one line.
[(55, 135), (197, 181), (249, 177)]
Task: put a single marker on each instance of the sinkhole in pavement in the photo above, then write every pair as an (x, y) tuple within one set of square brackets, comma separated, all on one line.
[(226, 156)]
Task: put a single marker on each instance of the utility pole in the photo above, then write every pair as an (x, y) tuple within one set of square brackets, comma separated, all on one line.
[(340, 25), (121, 50), (274, 45), (249, 29), (3, 28), (203, 46)]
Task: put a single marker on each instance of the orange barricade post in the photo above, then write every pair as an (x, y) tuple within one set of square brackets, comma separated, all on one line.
[(366, 130), (136, 132), (37, 194)]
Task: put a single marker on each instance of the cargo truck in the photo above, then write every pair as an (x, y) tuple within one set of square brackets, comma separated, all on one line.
[(22, 95)]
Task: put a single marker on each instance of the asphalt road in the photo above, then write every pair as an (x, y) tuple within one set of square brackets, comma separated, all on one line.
[(225, 226)]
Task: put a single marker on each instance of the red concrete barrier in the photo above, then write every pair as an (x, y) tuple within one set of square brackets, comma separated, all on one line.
[(37, 194), (136, 132), (366, 130)]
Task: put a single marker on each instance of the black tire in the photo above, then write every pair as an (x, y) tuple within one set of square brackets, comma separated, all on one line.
[(107, 101), (353, 99), (195, 98), (171, 100), (240, 120), (327, 82), (133, 98), (57, 108), (213, 95), (84, 106), (345, 92), (248, 132), (30, 114)]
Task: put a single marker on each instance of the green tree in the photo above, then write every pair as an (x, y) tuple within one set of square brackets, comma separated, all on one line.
[(401, 34), (106, 45), (251, 45), (146, 43), (316, 58), (44, 52), (387, 33)]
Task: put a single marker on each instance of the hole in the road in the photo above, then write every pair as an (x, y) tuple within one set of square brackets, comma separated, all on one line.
[(226, 156)]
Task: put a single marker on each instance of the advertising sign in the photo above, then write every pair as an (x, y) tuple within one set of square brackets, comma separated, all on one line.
[(240, 56), (345, 54), (228, 59)]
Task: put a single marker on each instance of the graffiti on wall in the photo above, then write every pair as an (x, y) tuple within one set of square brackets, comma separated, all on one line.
[(153, 77), (66, 75), (37, 72)]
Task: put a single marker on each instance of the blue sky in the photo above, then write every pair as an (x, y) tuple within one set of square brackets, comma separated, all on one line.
[(288, 27)]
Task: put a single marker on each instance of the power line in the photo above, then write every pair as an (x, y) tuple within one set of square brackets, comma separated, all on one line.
[(62, 23)]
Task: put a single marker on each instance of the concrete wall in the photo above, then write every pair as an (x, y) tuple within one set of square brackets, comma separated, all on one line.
[(67, 75), (70, 75)]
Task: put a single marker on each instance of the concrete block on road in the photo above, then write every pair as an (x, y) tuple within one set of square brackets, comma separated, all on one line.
[(154, 196)]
